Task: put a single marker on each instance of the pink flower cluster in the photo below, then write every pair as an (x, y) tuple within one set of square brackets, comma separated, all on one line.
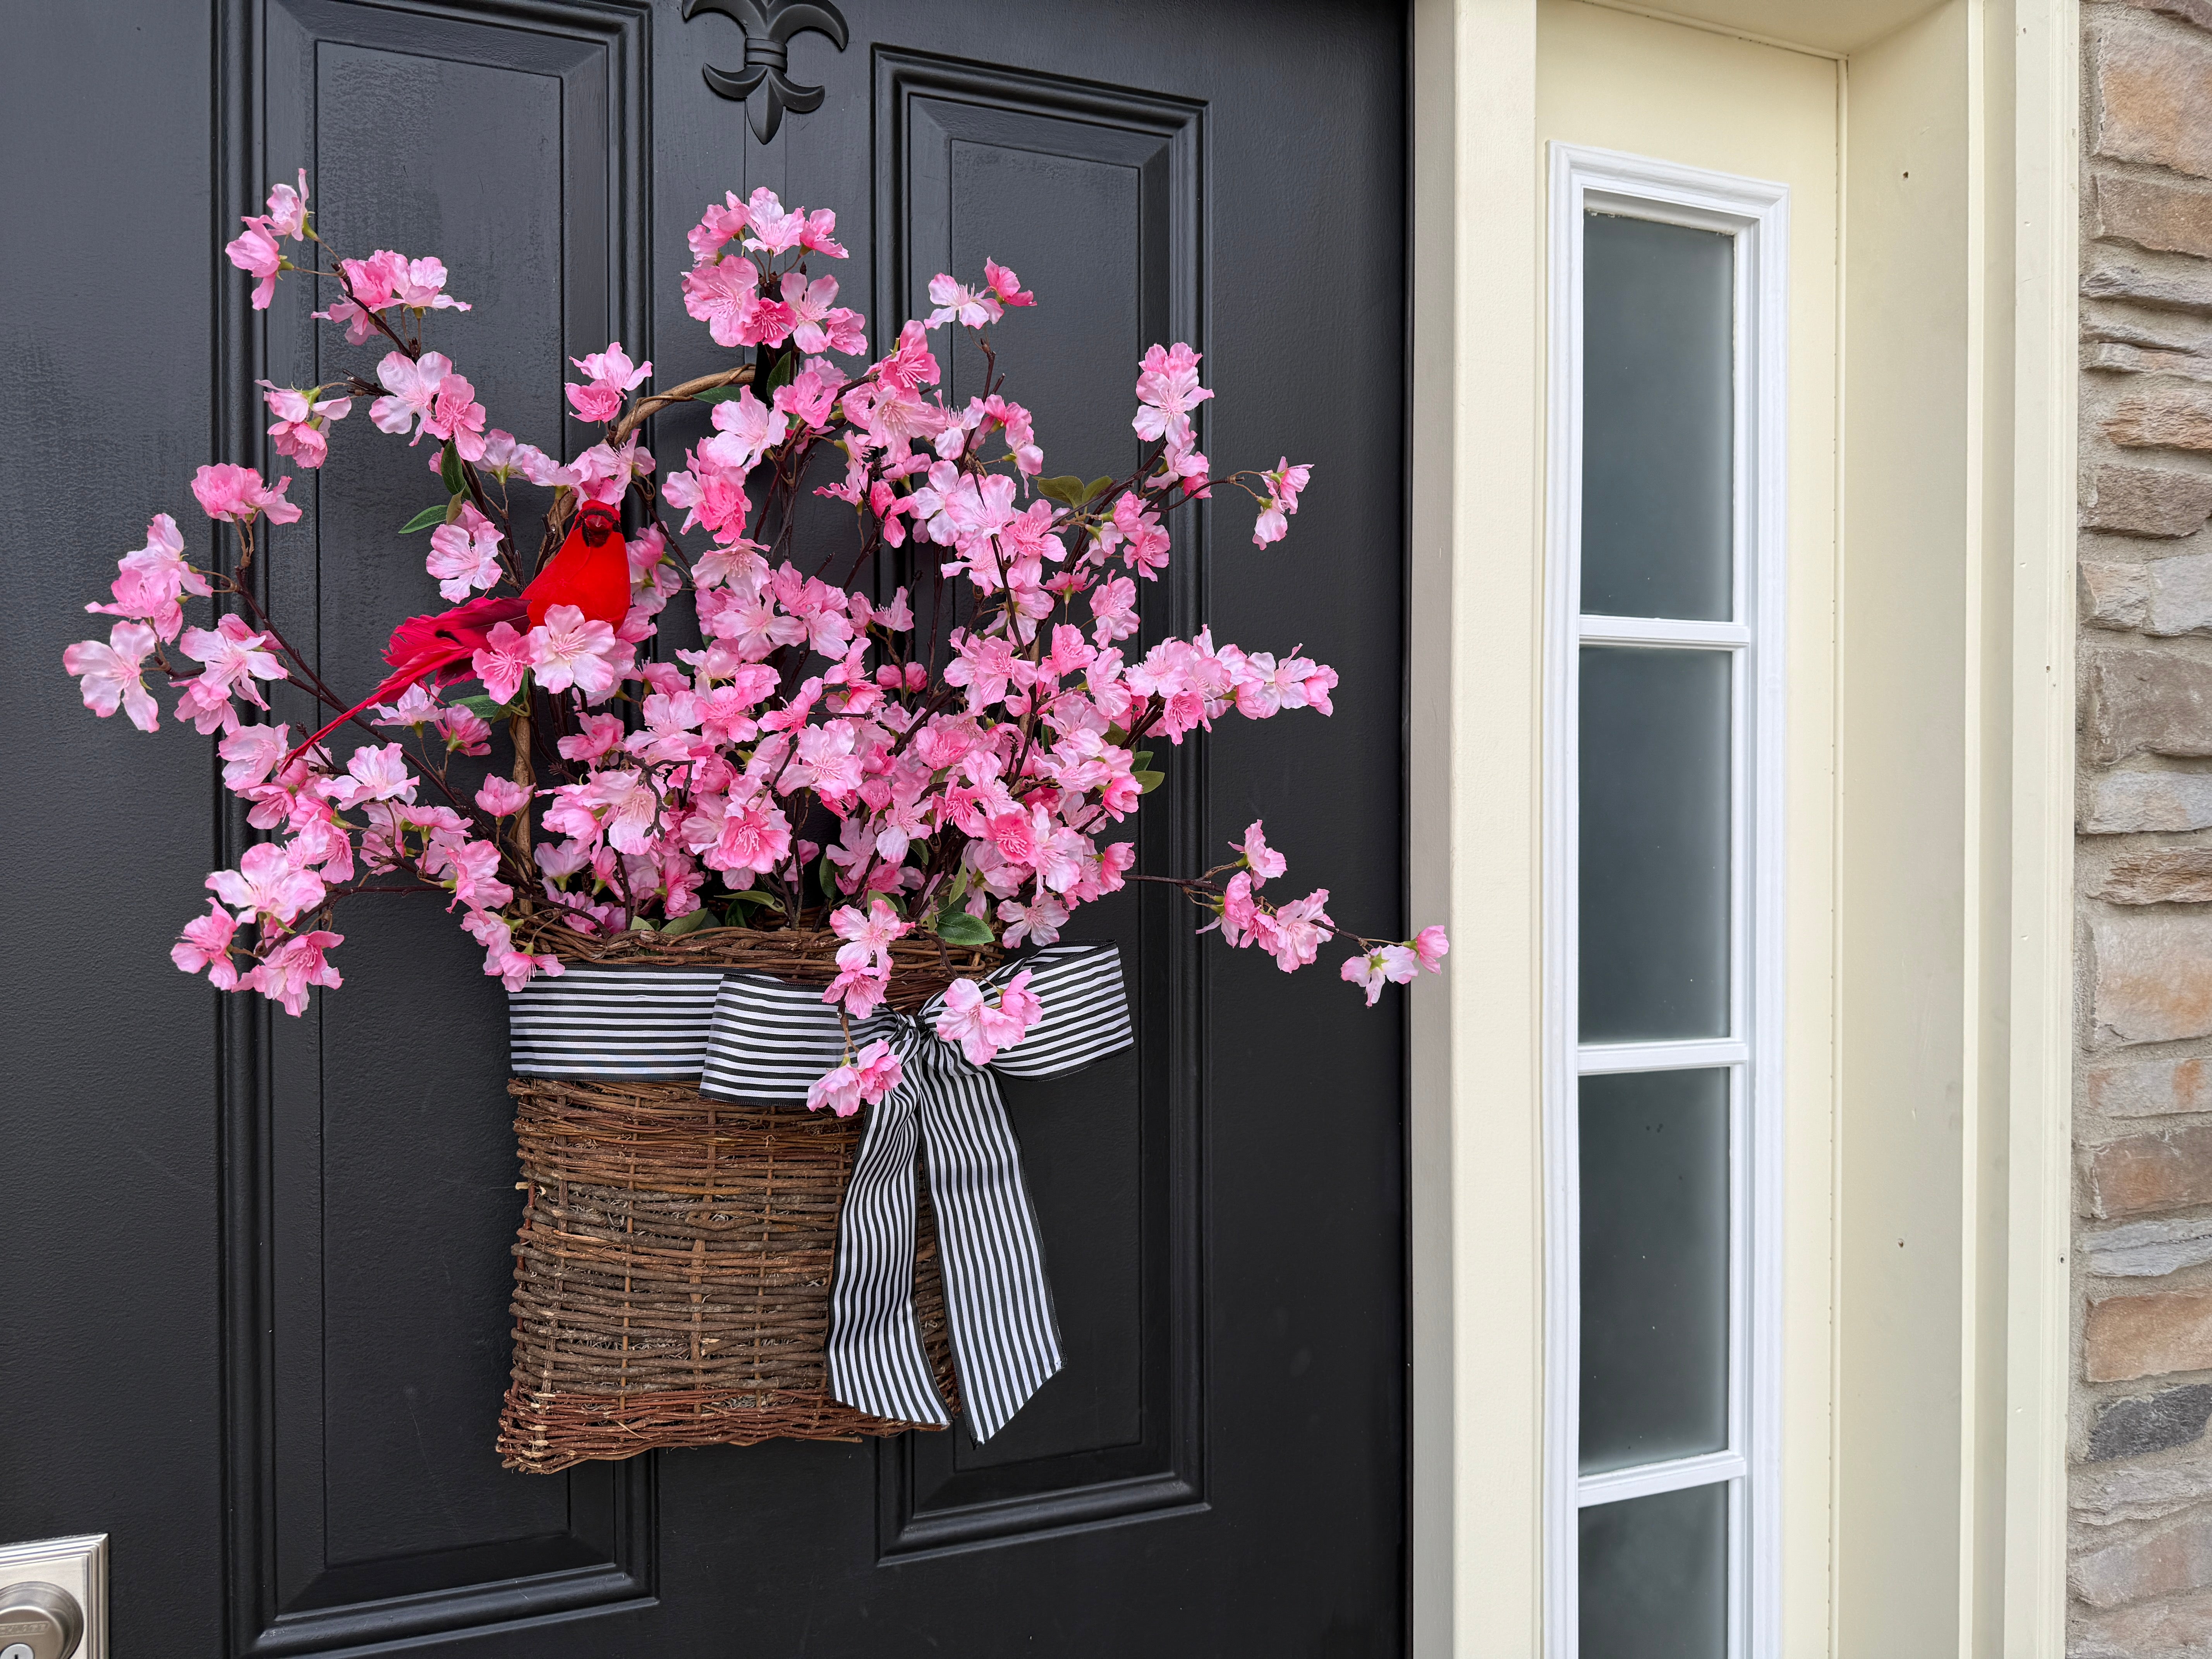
[(955, 760)]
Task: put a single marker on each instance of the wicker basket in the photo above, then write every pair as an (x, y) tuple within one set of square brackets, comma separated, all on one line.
[(672, 1270)]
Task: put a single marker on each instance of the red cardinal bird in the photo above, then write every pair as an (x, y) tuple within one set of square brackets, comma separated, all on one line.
[(591, 572)]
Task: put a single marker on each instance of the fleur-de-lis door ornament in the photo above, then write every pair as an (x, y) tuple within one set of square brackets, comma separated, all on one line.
[(762, 85)]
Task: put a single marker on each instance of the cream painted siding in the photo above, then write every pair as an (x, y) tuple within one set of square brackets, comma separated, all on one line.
[(1931, 153)]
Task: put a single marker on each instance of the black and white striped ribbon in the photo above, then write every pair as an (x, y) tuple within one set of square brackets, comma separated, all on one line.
[(770, 1040), (613, 1022)]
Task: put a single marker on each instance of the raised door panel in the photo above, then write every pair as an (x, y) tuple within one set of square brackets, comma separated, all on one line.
[(1092, 193), (371, 1153)]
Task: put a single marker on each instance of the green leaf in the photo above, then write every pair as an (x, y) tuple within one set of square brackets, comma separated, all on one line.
[(826, 876), (1066, 489), (785, 372), (449, 468), (428, 517), (958, 927), (959, 887), (480, 704), (1095, 489), (721, 394), (686, 924), (869, 898), (1140, 760), (1148, 781), (754, 896)]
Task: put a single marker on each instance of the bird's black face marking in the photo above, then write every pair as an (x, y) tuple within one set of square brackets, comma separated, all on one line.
[(599, 523)]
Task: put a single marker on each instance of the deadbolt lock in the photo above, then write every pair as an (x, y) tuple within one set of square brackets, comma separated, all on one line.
[(38, 1621)]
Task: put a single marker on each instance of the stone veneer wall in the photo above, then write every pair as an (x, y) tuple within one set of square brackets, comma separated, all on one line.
[(2140, 1571)]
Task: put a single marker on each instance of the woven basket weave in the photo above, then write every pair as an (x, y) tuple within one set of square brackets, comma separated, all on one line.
[(672, 1270)]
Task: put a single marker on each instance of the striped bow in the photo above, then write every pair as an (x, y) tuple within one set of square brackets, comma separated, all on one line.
[(770, 1040)]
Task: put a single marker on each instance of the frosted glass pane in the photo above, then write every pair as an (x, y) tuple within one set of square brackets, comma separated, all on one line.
[(1658, 418), (1654, 1236), (1655, 1576), (1655, 844)]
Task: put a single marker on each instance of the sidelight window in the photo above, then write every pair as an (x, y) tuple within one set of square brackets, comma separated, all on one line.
[(1662, 925)]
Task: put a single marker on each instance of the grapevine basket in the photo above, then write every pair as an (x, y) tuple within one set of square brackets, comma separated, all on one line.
[(673, 1269)]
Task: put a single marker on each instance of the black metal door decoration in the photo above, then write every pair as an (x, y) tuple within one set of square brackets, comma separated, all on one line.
[(769, 27)]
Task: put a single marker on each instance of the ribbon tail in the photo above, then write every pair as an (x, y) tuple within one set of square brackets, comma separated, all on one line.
[(875, 1354), (999, 1302)]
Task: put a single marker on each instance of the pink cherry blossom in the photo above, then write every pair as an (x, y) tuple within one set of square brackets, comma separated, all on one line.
[(420, 285), (1386, 964), (287, 208), (1019, 1011), (455, 416), (298, 432), (819, 234), (205, 947), (739, 835), (237, 493), (411, 387), (151, 580), (956, 302), (602, 472), (1168, 390), (983, 1027), (501, 664), (1294, 932), (600, 733), (962, 1021), (567, 650), (715, 227), (255, 253), (501, 797), (1037, 922), (820, 323), (464, 555), (268, 884), (769, 228), (504, 457), (1263, 860), (746, 429), (880, 1070), (235, 656), (111, 675), (285, 975), (1003, 283), (723, 295), (838, 1090), (860, 983), (251, 753), (374, 773), (1431, 946), (613, 377), (872, 932)]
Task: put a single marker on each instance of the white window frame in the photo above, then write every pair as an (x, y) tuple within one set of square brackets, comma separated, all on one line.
[(1756, 214)]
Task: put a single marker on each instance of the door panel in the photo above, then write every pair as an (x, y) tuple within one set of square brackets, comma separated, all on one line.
[(1219, 1468)]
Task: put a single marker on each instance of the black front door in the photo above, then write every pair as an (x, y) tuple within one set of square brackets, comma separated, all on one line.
[(255, 1270)]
